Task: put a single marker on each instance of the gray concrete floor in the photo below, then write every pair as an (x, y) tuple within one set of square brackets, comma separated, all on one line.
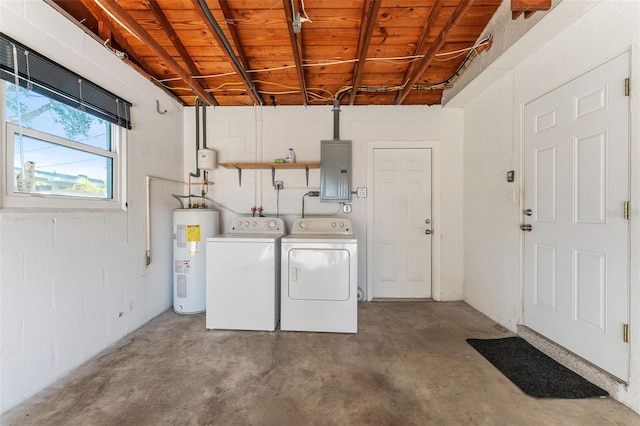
[(409, 364)]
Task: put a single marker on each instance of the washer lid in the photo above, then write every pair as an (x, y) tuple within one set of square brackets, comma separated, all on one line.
[(245, 238)]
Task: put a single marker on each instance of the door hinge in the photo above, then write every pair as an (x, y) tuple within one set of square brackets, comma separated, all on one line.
[(625, 333), (627, 86), (626, 210)]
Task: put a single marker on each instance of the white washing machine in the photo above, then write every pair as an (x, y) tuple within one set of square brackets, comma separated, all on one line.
[(320, 276), (243, 275)]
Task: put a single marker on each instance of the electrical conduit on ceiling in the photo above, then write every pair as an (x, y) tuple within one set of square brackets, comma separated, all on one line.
[(228, 48)]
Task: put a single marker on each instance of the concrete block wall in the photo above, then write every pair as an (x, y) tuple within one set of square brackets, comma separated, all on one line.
[(74, 282), (248, 134)]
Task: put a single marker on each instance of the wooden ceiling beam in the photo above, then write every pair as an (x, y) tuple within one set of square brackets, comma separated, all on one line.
[(177, 43), (422, 66), (367, 24), (204, 12), (112, 8), (421, 46), (297, 48), (233, 30), (528, 7), (107, 30)]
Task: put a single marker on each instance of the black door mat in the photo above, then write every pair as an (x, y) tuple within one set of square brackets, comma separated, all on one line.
[(534, 372)]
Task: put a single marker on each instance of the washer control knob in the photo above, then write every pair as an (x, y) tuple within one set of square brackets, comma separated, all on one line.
[(303, 224), (246, 223), (341, 224), (333, 224), (272, 224), (254, 223), (239, 223)]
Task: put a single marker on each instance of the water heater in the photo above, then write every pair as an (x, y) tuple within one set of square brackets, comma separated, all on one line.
[(191, 227)]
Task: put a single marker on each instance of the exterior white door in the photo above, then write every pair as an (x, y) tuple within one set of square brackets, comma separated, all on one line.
[(576, 151), (402, 223)]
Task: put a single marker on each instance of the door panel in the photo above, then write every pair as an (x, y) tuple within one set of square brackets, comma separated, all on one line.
[(402, 204), (319, 274), (590, 178), (546, 274), (576, 180)]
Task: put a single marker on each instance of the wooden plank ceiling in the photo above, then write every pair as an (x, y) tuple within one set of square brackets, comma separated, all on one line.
[(390, 51)]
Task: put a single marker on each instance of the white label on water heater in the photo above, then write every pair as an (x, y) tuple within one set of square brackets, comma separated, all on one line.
[(194, 247), (181, 236), (182, 266)]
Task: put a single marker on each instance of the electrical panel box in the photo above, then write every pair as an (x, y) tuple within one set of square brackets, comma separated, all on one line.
[(335, 171)]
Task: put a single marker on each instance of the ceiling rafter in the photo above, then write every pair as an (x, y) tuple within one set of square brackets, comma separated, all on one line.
[(233, 30), (298, 50), (108, 30), (422, 42), (424, 63), (175, 40), (367, 24), (124, 18), (202, 9)]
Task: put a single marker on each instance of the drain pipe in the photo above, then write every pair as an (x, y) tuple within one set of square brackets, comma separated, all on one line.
[(198, 103), (204, 125), (336, 119), (229, 49)]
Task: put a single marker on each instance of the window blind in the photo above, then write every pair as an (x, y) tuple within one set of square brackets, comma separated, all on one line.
[(42, 75)]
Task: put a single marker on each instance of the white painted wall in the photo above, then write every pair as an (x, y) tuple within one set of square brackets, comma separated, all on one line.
[(264, 133), (491, 205), (491, 280), (73, 283)]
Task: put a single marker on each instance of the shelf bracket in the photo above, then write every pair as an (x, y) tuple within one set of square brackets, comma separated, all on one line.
[(239, 175), (273, 176), (306, 173)]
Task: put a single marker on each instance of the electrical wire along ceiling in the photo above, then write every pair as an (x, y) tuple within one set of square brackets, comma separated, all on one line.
[(292, 52)]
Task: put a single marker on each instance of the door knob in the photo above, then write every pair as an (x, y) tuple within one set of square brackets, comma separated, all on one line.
[(427, 221), (526, 227), (428, 231), (528, 212)]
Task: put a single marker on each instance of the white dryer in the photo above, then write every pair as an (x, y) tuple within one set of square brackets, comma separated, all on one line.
[(320, 276), (243, 275)]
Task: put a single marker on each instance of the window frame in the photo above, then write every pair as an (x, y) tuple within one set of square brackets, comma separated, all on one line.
[(11, 199)]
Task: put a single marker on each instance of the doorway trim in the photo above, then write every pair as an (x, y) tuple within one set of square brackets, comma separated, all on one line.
[(436, 287)]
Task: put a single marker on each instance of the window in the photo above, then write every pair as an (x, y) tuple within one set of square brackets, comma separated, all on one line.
[(57, 152), (64, 135)]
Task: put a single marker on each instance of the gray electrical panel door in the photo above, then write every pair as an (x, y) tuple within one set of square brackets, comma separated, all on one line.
[(335, 171)]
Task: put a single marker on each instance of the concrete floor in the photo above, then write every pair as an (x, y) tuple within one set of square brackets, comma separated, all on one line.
[(409, 364)]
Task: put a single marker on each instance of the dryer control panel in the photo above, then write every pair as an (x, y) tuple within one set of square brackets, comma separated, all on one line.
[(258, 225), (322, 225)]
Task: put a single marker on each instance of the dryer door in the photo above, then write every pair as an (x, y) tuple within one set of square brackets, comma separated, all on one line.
[(319, 274)]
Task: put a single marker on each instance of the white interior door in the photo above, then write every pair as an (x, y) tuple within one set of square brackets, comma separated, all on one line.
[(402, 223), (576, 151)]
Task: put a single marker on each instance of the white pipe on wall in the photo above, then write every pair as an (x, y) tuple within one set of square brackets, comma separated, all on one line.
[(147, 220)]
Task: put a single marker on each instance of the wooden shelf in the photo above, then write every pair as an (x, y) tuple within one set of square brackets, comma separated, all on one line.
[(301, 165), (306, 165)]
